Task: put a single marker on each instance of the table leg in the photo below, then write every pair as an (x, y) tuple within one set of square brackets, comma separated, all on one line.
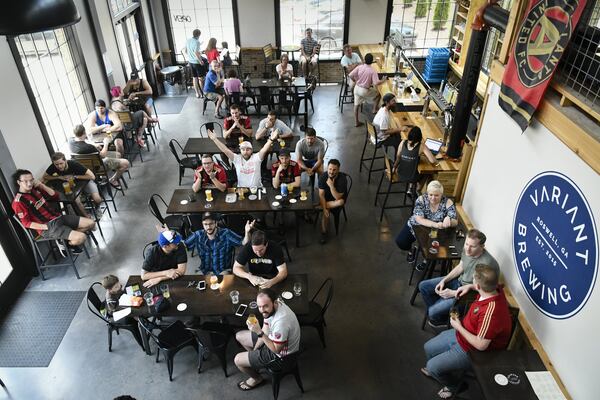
[(428, 272)]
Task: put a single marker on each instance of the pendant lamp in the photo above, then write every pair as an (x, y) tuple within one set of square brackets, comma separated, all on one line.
[(28, 16)]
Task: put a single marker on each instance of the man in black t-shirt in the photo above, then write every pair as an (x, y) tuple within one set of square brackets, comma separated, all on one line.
[(62, 169), (333, 188), (164, 260), (266, 264)]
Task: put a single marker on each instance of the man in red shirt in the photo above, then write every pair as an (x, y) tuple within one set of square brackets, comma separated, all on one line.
[(486, 326), (285, 170), (209, 175), (237, 124), (31, 206)]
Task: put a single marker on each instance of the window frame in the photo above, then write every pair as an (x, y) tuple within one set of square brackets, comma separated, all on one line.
[(80, 69)]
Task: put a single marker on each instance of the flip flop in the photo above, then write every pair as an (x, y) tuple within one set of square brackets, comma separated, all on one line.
[(244, 386), (445, 393)]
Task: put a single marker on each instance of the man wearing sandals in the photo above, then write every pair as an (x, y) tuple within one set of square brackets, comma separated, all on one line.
[(485, 327), (278, 337)]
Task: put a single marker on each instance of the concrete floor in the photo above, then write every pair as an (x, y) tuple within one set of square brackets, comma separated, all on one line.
[(375, 344)]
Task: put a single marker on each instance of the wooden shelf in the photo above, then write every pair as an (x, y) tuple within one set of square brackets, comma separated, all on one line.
[(461, 14), (459, 28), (457, 40)]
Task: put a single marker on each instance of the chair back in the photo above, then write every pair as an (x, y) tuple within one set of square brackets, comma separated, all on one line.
[(283, 365), (174, 335), (327, 44), (268, 52), (148, 245), (149, 327), (325, 143), (372, 133), (31, 236), (514, 316), (154, 207), (126, 117), (328, 286), (311, 85), (390, 174), (349, 180), (218, 129), (94, 303), (237, 222), (173, 145), (93, 162)]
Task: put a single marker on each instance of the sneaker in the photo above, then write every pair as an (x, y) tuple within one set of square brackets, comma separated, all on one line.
[(61, 248), (436, 325), (76, 250), (412, 255), (421, 266), (323, 239)]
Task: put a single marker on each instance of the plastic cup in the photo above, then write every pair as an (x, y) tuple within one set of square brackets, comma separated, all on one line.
[(253, 189), (252, 319), (433, 233), (164, 288), (235, 296), (149, 298), (303, 195)]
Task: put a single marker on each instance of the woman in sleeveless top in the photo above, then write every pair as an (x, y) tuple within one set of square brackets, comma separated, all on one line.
[(140, 118), (137, 87), (408, 156)]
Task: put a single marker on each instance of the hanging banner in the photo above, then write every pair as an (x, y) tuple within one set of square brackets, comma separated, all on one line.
[(541, 41)]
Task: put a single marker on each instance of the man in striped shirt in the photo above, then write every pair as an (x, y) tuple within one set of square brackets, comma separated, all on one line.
[(216, 245), (31, 206), (486, 326)]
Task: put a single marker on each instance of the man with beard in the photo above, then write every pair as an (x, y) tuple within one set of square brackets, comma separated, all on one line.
[(209, 175), (278, 337), (333, 187), (247, 164), (237, 125), (215, 245), (285, 170), (265, 261)]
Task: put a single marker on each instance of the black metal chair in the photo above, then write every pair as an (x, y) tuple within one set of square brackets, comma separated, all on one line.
[(95, 305), (336, 211), (94, 163), (218, 129), (183, 162), (131, 145), (171, 340), (209, 97), (175, 222), (279, 368), (2, 384), (311, 85), (393, 178), (346, 95), (372, 140), (220, 335), (316, 311)]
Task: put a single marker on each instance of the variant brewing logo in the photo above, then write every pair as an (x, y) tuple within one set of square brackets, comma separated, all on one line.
[(555, 245)]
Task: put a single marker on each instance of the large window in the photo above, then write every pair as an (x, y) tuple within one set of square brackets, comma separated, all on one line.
[(56, 73), (128, 41), (213, 17), (325, 17), (422, 24)]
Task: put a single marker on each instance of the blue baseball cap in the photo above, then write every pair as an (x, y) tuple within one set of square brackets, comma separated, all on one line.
[(168, 237)]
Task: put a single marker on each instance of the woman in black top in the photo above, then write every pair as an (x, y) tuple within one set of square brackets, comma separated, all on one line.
[(408, 156)]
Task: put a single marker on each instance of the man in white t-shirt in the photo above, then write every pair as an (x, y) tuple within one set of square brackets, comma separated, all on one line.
[(247, 164), (388, 131), (267, 125), (278, 337)]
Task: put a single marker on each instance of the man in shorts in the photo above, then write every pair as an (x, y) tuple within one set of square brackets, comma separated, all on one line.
[(213, 86), (309, 57), (278, 337), (366, 80), (193, 51), (31, 205)]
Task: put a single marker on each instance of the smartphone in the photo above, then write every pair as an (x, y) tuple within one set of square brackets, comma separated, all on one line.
[(241, 310), (201, 285), (210, 126)]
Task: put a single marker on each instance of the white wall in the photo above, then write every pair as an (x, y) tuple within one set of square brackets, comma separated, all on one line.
[(367, 21), (257, 22), (504, 162)]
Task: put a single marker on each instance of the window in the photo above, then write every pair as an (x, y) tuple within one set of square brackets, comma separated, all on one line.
[(325, 17), (422, 24), (130, 49), (55, 71), (118, 6), (213, 17)]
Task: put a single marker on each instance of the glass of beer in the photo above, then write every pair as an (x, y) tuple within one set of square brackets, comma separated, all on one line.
[(253, 189), (290, 187), (241, 138), (454, 313), (281, 143), (252, 319), (214, 282), (303, 195), (66, 187), (433, 233), (208, 193), (241, 193), (72, 181)]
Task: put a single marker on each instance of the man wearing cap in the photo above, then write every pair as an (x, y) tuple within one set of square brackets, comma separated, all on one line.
[(237, 124), (209, 175), (388, 130), (285, 170), (271, 123), (104, 120), (247, 165), (164, 260), (216, 245)]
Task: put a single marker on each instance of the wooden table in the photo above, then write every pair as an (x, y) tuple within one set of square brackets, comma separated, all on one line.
[(450, 249), (199, 145), (378, 50), (292, 48), (218, 205), (507, 362), (71, 198), (209, 302)]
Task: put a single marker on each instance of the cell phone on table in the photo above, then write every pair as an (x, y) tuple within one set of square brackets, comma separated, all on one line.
[(241, 310), (201, 285), (210, 126)]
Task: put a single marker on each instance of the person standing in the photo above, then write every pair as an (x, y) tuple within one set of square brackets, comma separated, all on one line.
[(193, 50), (366, 80)]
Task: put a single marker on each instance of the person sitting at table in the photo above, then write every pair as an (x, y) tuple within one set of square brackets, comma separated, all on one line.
[(62, 169), (31, 205), (310, 152), (408, 157), (140, 119), (349, 61), (388, 130), (366, 80), (237, 124), (278, 337), (439, 294), (165, 259), (114, 290), (103, 120), (309, 58), (213, 86), (216, 245), (139, 90), (284, 69), (209, 175), (432, 210), (265, 260), (333, 187), (232, 84), (285, 170), (247, 165), (224, 56), (111, 159), (267, 125), (487, 326)]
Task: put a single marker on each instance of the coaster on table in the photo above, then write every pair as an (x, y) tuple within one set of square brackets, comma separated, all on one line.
[(287, 295)]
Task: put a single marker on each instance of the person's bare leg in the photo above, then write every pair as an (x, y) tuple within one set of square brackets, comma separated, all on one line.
[(81, 208), (219, 101), (85, 224), (97, 198), (196, 86), (324, 223), (357, 122), (242, 361), (123, 166), (119, 146), (245, 339), (76, 238)]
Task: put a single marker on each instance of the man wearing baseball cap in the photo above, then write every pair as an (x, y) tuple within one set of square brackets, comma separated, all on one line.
[(388, 130), (247, 164), (285, 170), (165, 259)]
